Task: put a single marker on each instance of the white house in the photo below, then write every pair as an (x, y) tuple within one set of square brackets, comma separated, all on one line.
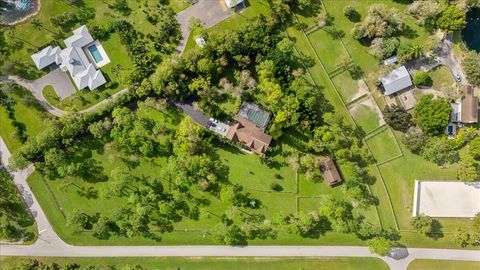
[(233, 3), (396, 80), (82, 58)]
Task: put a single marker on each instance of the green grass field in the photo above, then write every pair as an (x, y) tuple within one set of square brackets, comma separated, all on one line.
[(443, 264), (27, 112), (441, 78), (365, 117), (218, 263), (383, 145)]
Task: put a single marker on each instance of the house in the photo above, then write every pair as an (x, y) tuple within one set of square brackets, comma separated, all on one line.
[(397, 80), (245, 131), (82, 58), (465, 110), (330, 171), (233, 3)]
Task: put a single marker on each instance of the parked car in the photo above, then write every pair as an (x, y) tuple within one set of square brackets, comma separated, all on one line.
[(457, 77)]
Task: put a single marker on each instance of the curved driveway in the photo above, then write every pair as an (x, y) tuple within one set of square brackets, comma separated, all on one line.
[(36, 86)]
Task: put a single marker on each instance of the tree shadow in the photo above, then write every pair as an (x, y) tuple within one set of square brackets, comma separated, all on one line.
[(409, 32)]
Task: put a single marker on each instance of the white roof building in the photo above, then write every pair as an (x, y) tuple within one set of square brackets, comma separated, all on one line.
[(46, 57), (233, 3), (77, 58), (397, 80)]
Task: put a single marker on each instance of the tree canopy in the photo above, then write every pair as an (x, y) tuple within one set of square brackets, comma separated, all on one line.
[(432, 115)]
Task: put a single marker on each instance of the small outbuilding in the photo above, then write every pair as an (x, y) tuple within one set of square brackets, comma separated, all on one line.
[(331, 175), (397, 80)]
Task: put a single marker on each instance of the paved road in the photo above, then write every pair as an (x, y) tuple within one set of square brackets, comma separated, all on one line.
[(49, 244), (210, 12), (36, 86)]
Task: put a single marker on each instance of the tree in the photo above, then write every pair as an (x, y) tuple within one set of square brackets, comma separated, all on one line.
[(474, 148), (350, 12), (77, 220), (433, 115), (468, 169), (463, 238), (424, 10), (101, 228), (452, 19), (423, 224), (379, 245), (384, 47), (476, 223), (415, 139), (422, 78), (397, 117), (381, 21), (339, 214), (440, 150), (471, 66)]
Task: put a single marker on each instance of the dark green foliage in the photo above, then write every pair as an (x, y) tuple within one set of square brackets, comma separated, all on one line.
[(471, 66), (452, 19), (67, 20), (276, 187), (397, 117), (339, 214), (423, 224), (433, 115), (441, 151), (380, 245), (422, 78), (13, 216)]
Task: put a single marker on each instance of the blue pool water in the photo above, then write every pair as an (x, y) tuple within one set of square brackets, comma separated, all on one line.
[(95, 53)]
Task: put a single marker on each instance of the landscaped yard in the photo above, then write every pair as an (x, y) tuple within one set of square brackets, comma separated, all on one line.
[(218, 263), (441, 77)]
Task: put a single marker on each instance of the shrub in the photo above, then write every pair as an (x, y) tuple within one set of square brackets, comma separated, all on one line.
[(422, 78), (349, 12), (276, 187), (471, 65), (398, 118)]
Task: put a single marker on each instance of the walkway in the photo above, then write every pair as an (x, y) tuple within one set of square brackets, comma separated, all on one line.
[(36, 86), (209, 12)]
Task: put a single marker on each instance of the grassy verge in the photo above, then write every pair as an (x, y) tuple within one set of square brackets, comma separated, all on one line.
[(442, 264), (214, 263)]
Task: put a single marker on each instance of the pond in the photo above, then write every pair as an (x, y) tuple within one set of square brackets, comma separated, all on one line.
[(13, 11), (471, 33)]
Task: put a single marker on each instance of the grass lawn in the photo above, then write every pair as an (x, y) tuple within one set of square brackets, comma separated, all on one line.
[(441, 77), (27, 112), (365, 117), (442, 264), (383, 145), (217, 263)]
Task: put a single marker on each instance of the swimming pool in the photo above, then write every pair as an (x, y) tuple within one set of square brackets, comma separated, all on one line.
[(97, 56)]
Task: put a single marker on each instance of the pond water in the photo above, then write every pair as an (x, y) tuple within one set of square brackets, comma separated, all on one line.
[(15, 10), (471, 33)]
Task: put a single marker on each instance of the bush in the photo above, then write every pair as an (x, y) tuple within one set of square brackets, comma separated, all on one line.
[(349, 12), (433, 115), (398, 118), (471, 65), (276, 187), (422, 78)]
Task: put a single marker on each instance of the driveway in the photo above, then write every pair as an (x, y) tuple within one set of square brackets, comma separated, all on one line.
[(209, 12), (60, 82), (196, 115), (446, 56)]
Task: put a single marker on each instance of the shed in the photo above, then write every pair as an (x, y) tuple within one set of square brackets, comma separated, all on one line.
[(331, 175), (397, 80)]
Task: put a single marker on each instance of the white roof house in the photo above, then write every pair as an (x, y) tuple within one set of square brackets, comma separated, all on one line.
[(46, 57), (396, 80), (77, 58), (233, 3)]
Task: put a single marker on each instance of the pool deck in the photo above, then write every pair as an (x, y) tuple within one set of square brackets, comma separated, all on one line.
[(102, 51)]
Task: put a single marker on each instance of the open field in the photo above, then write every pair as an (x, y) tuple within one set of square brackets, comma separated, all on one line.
[(444, 265), (441, 77), (383, 145), (218, 263)]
